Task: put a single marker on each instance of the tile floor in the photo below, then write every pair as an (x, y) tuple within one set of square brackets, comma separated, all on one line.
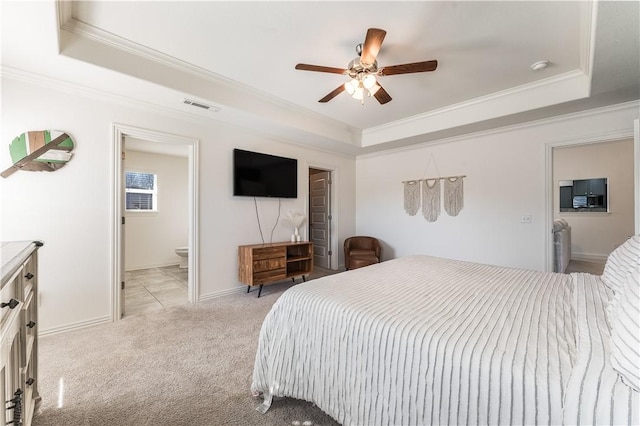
[(153, 289), (148, 290)]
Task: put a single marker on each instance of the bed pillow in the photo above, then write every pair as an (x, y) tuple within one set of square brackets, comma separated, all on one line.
[(620, 263), (625, 330)]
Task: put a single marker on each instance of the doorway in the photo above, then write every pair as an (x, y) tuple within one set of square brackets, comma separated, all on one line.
[(595, 232), (159, 143), (320, 219)]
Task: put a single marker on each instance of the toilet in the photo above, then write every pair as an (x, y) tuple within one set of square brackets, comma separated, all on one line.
[(183, 252)]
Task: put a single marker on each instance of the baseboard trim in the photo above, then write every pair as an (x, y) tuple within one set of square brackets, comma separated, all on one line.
[(589, 257), (74, 326), (221, 293), (164, 265)]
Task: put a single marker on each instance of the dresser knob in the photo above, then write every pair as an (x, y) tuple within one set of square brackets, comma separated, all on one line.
[(30, 381), (29, 275), (31, 324), (12, 304)]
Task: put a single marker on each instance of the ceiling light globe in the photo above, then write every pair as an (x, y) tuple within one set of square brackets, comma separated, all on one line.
[(369, 81), (349, 88), (358, 94)]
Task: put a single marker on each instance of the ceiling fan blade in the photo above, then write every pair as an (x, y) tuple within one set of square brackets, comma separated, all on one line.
[(372, 44), (381, 95), (333, 94), (319, 68), (409, 68)]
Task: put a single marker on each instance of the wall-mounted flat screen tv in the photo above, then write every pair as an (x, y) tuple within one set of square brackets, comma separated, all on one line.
[(263, 175)]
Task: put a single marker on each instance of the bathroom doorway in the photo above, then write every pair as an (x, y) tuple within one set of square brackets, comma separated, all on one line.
[(155, 221)]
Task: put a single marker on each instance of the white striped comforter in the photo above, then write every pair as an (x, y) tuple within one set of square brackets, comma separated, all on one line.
[(424, 340)]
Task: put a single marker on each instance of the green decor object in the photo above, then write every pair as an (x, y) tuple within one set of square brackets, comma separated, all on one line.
[(41, 150)]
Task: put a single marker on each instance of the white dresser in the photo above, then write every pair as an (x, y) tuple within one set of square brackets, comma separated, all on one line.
[(19, 332)]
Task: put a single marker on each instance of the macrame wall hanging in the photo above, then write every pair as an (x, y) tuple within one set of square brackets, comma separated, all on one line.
[(431, 199), (430, 194), (411, 197), (453, 195)]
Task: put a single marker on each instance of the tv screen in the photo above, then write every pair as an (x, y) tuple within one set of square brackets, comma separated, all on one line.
[(264, 175)]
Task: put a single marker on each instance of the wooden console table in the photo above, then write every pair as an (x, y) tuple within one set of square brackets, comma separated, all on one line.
[(260, 264)]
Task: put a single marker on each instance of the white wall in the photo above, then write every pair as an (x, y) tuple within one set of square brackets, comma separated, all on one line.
[(505, 180), (595, 235), (152, 237), (70, 209)]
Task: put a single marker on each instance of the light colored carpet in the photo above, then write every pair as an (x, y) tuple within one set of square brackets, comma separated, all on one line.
[(185, 365)]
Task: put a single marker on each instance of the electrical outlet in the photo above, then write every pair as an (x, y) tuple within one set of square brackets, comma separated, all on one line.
[(526, 218)]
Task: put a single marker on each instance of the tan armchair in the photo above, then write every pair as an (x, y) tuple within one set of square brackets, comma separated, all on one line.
[(361, 251)]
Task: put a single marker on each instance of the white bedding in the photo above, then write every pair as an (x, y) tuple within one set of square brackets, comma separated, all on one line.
[(424, 340)]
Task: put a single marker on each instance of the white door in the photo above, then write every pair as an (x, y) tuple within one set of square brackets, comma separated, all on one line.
[(636, 168), (123, 206), (320, 217)]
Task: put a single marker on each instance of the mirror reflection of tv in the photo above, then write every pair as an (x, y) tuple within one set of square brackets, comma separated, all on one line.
[(263, 175)]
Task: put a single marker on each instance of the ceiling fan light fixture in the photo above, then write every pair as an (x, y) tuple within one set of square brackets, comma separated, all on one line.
[(363, 71), (358, 94), (348, 86), (369, 81)]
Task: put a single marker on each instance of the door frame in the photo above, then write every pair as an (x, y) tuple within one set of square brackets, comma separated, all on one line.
[(334, 259), (329, 213), (119, 132), (549, 213)]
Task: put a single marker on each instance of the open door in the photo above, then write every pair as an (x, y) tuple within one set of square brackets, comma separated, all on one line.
[(320, 216), (123, 206)]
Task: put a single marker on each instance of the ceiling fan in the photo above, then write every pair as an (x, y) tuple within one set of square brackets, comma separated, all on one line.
[(363, 70)]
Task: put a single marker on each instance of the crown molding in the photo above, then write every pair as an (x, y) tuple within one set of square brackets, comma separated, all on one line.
[(100, 95), (561, 88), (608, 135), (525, 88), (90, 92)]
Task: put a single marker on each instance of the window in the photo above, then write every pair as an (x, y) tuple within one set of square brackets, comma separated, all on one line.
[(141, 191)]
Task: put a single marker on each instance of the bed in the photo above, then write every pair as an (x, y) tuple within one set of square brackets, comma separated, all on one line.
[(426, 340)]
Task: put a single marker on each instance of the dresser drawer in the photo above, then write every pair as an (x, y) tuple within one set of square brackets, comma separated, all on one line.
[(28, 380), (10, 295), (29, 270), (269, 264), (29, 321), (269, 252), (268, 276)]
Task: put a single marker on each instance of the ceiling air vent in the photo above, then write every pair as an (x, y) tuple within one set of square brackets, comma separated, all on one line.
[(200, 105)]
